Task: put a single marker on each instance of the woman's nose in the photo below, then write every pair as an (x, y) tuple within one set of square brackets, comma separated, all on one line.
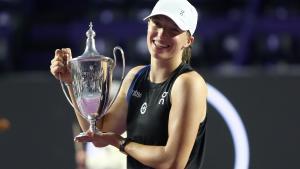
[(162, 32)]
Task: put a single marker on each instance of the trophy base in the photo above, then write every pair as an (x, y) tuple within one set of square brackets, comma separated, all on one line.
[(86, 135)]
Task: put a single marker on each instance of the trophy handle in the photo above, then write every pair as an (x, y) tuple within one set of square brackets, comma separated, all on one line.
[(65, 93), (123, 60), (69, 98), (123, 73)]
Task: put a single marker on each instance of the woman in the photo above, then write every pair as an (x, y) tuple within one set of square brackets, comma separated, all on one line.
[(162, 106)]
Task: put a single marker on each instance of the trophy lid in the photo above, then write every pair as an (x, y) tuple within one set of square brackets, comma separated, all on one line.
[(90, 48)]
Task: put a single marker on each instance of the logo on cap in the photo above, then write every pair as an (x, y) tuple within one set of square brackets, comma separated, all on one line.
[(181, 12)]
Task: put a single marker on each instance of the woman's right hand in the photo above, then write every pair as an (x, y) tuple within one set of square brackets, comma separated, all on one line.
[(59, 65)]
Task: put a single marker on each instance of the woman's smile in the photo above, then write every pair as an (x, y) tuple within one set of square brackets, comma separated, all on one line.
[(160, 45)]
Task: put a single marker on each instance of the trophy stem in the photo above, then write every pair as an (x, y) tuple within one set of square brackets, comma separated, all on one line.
[(93, 126)]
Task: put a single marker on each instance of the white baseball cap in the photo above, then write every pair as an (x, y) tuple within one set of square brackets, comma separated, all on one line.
[(181, 12)]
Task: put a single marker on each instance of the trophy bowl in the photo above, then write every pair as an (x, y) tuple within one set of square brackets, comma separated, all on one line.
[(92, 76)]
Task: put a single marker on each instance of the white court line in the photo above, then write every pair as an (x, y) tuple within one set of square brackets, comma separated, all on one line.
[(235, 125)]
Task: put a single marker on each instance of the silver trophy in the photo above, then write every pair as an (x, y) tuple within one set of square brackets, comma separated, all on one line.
[(91, 81)]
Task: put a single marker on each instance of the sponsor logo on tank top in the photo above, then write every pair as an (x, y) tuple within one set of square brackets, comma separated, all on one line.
[(137, 94), (162, 99), (143, 108)]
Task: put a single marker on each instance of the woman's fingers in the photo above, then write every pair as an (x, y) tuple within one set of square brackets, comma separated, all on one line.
[(57, 58), (62, 55), (67, 53), (98, 139), (58, 63), (57, 67), (58, 52), (83, 138)]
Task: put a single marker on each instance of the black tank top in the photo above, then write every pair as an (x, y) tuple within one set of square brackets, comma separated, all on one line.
[(148, 115)]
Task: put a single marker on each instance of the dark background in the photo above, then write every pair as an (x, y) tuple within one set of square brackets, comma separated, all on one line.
[(41, 134), (269, 108), (263, 34), (248, 49)]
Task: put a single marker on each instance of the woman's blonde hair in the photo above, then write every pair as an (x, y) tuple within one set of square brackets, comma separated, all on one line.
[(187, 52)]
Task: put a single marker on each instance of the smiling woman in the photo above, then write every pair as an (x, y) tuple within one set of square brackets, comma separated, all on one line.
[(162, 106), (164, 36)]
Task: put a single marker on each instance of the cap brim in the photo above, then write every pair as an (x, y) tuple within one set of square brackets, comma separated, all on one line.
[(177, 21)]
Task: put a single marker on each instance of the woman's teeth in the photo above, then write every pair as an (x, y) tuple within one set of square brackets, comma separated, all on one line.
[(157, 44)]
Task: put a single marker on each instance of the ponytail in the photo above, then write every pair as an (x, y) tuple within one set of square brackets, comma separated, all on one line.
[(187, 52)]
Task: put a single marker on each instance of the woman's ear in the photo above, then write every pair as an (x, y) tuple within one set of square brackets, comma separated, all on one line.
[(190, 41)]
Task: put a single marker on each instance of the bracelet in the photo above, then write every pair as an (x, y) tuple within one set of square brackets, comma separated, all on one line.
[(124, 142)]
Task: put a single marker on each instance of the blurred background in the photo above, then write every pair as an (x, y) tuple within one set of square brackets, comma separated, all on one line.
[(248, 49)]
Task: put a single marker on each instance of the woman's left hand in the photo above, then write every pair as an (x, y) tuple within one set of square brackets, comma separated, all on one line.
[(100, 139)]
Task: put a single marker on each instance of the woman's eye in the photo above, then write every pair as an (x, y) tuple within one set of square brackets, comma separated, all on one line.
[(175, 30), (157, 25)]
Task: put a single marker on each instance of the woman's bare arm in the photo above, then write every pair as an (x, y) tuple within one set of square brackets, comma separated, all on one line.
[(115, 119)]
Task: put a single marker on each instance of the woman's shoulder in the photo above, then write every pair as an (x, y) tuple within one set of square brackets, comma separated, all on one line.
[(133, 71), (131, 75), (192, 76), (191, 79)]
